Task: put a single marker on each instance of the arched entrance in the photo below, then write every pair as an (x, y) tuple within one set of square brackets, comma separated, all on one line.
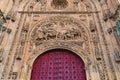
[(58, 64)]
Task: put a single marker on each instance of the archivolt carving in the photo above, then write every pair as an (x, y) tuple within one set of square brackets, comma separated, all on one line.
[(49, 44), (79, 51)]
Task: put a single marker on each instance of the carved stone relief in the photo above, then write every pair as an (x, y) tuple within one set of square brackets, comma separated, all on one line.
[(59, 31)]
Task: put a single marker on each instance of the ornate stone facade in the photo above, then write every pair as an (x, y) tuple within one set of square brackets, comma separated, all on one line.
[(82, 26)]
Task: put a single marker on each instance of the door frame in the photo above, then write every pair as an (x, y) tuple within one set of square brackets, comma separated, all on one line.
[(82, 54)]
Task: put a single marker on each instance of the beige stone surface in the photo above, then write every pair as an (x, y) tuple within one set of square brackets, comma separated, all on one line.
[(85, 27)]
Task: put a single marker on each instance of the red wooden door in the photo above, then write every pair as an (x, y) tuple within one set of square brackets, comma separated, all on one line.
[(58, 65)]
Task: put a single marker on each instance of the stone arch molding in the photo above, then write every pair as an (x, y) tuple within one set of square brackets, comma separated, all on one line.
[(81, 53)]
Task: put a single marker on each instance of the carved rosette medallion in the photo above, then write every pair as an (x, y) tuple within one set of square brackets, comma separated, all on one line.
[(59, 4)]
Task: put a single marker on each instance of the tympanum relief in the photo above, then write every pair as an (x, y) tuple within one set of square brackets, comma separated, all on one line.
[(60, 32)]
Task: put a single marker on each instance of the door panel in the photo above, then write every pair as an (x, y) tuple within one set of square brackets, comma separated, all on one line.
[(58, 65)]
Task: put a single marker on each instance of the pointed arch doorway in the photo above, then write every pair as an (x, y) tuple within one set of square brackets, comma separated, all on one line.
[(58, 64)]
